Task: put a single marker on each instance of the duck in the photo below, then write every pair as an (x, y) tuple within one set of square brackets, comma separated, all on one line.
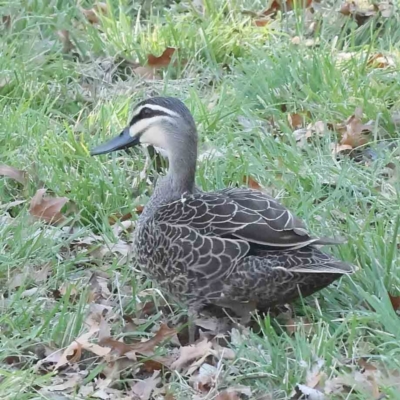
[(232, 248)]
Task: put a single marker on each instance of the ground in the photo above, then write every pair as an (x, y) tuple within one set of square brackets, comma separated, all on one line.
[(302, 103)]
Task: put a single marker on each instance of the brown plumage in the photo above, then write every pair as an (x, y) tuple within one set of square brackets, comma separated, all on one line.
[(235, 248)]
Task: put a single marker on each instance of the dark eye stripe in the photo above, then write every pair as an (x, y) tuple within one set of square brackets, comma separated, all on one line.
[(150, 113)]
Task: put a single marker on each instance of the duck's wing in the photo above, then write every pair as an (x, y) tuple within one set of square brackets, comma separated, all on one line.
[(244, 214)]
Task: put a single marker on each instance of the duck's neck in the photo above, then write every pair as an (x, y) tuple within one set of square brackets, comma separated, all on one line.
[(182, 169), (179, 180)]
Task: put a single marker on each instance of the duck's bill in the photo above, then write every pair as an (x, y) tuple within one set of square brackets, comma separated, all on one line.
[(123, 141)]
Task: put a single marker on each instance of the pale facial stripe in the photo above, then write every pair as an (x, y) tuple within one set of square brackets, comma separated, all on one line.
[(144, 124), (155, 107)]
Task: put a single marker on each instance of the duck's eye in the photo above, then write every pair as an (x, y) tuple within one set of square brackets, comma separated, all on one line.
[(145, 112)]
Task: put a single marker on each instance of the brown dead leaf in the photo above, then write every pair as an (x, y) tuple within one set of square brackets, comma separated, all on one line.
[(225, 395), (162, 61), (63, 35), (13, 173), (70, 381), (79, 344), (353, 132), (118, 347), (192, 352), (69, 289), (260, 22), (366, 379), (302, 135), (145, 348), (340, 148), (144, 388), (112, 219), (251, 183), (139, 209), (267, 15), (6, 20), (362, 11), (205, 378), (296, 121), (284, 6), (152, 365), (395, 300), (92, 14), (47, 208), (221, 352), (77, 354), (379, 60)]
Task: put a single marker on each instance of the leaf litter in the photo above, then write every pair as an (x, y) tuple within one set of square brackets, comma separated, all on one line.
[(194, 360), (47, 208), (13, 173)]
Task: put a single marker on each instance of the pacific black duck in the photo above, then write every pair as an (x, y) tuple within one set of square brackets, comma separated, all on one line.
[(235, 248)]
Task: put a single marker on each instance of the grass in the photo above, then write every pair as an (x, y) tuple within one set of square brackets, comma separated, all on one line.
[(54, 108)]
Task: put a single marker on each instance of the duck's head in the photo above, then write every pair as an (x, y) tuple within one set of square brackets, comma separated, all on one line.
[(164, 122)]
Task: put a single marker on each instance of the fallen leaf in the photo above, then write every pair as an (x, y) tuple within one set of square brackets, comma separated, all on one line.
[(69, 289), (13, 173), (82, 342), (152, 365), (260, 22), (65, 40), (121, 247), (205, 379), (6, 20), (144, 388), (192, 352), (163, 60), (225, 395), (213, 324), (314, 374), (353, 132), (47, 208), (395, 300), (92, 14), (340, 148), (145, 347), (361, 14), (99, 288), (71, 380), (221, 352), (366, 380), (379, 60), (296, 121), (251, 183), (112, 219), (284, 6)]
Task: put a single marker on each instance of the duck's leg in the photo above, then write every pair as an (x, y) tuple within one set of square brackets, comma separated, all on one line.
[(192, 314), (242, 310)]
